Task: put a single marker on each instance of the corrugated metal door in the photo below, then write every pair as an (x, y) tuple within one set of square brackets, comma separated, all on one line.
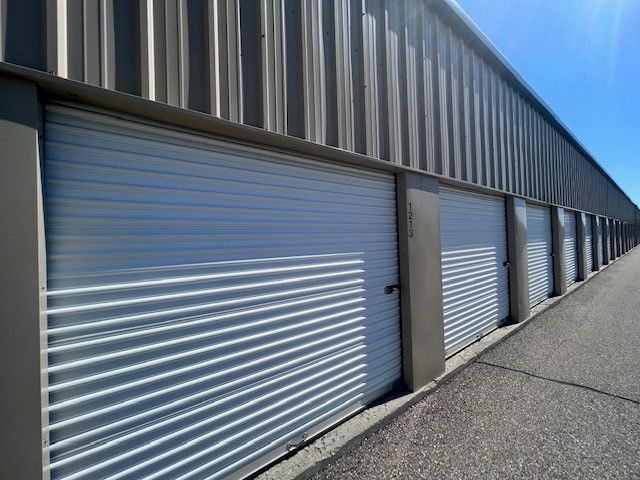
[(588, 243), (539, 253), (208, 304), (570, 247), (603, 233), (475, 280), (599, 244)]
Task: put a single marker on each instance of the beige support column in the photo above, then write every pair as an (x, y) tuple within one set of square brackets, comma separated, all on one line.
[(518, 263), (420, 279), (559, 267), (22, 292)]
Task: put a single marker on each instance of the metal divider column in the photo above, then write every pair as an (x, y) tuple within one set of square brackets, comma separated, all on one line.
[(23, 293), (420, 278), (518, 263)]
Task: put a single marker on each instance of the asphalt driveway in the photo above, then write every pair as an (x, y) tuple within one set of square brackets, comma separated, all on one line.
[(559, 399)]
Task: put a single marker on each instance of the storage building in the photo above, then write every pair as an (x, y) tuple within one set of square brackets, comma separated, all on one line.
[(230, 224)]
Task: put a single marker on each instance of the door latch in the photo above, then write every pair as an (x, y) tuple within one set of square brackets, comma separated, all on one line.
[(506, 264), (389, 289)]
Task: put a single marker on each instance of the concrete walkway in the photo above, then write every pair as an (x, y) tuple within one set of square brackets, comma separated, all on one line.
[(559, 399)]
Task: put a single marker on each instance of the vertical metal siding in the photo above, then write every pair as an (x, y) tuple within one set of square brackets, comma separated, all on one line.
[(570, 247), (475, 280), (273, 56), (345, 76), (429, 92), (395, 90), (207, 303), (394, 80), (446, 139), (414, 119), (539, 253)]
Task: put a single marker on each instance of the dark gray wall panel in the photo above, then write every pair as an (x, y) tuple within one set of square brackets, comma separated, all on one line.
[(21, 32)]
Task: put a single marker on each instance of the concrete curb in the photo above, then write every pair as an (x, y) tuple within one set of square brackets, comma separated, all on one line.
[(326, 447)]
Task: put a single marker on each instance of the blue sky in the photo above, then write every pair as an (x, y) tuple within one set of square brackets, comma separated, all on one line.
[(582, 57)]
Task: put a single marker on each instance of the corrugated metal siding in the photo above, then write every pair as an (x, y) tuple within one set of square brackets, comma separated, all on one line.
[(206, 303), (386, 78), (570, 247), (475, 279), (588, 241), (539, 250)]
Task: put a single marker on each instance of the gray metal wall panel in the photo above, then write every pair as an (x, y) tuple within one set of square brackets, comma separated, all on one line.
[(395, 91), (397, 81), (345, 79), (274, 61), (372, 56), (429, 92), (22, 33)]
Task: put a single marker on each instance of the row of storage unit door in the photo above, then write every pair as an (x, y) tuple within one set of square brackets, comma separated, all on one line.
[(211, 304)]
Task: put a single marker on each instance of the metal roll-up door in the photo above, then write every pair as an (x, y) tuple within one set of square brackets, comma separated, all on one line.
[(588, 245), (475, 280), (605, 244), (570, 247), (599, 243), (539, 253), (210, 305)]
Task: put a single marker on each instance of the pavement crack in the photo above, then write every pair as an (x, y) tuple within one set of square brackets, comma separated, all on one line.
[(562, 382)]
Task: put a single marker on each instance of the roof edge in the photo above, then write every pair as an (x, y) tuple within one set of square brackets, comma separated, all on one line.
[(451, 11)]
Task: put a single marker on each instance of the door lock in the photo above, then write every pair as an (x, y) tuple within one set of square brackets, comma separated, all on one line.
[(389, 289)]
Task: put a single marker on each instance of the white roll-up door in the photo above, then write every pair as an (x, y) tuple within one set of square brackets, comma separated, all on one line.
[(605, 244), (588, 245), (539, 251), (570, 247), (209, 304), (475, 280), (599, 243)]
